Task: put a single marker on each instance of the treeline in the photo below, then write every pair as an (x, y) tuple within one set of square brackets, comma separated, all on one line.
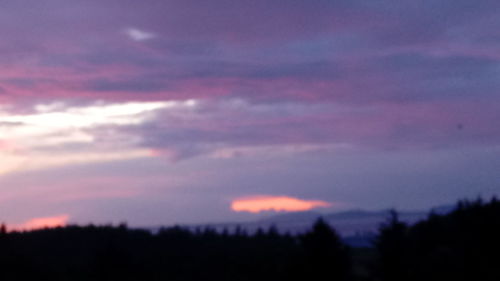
[(461, 245), (118, 253)]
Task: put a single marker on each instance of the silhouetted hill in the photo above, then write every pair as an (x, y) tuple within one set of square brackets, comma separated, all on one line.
[(347, 223), (357, 227), (461, 245)]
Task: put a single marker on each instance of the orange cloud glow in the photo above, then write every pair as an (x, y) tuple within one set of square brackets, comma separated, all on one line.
[(275, 203), (45, 222)]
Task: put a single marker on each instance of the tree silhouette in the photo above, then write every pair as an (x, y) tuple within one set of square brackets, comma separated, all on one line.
[(324, 254), (461, 245), (391, 245)]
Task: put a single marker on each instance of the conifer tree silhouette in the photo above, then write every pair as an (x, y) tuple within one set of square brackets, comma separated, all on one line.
[(391, 245), (325, 254)]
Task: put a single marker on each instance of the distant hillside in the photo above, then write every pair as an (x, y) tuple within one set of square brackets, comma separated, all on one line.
[(460, 245), (347, 223)]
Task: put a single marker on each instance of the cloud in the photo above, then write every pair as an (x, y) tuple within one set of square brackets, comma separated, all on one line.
[(49, 159), (55, 125), (42, 222), (56, 135), (139, 35), (257, 204), (227, 129), (128, 85), (266, 51), (234, 82)]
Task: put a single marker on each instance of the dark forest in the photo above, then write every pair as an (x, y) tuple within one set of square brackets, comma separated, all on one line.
[(461, 245)]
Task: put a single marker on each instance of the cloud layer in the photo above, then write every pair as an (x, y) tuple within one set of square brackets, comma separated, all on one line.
[(259, 204), (239, 90), (39, 223)]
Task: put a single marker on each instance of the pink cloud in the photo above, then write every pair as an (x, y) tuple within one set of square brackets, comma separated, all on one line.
[(42, 222), (5, 145), (257, 204)]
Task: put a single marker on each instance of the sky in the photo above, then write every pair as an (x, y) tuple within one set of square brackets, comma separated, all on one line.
[(179, 111)]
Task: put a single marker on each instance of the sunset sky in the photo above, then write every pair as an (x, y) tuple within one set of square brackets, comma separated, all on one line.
[(180, 111)]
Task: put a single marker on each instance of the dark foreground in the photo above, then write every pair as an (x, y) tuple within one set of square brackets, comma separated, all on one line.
[(462, 245)]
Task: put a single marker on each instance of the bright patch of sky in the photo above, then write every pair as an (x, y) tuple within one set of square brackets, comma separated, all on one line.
[(35, 140), (139, 35)]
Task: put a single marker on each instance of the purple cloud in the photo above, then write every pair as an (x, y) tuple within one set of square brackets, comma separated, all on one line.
[(246, 87)]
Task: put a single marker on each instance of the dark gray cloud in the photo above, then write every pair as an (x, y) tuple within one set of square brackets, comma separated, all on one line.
[(126, 85)]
